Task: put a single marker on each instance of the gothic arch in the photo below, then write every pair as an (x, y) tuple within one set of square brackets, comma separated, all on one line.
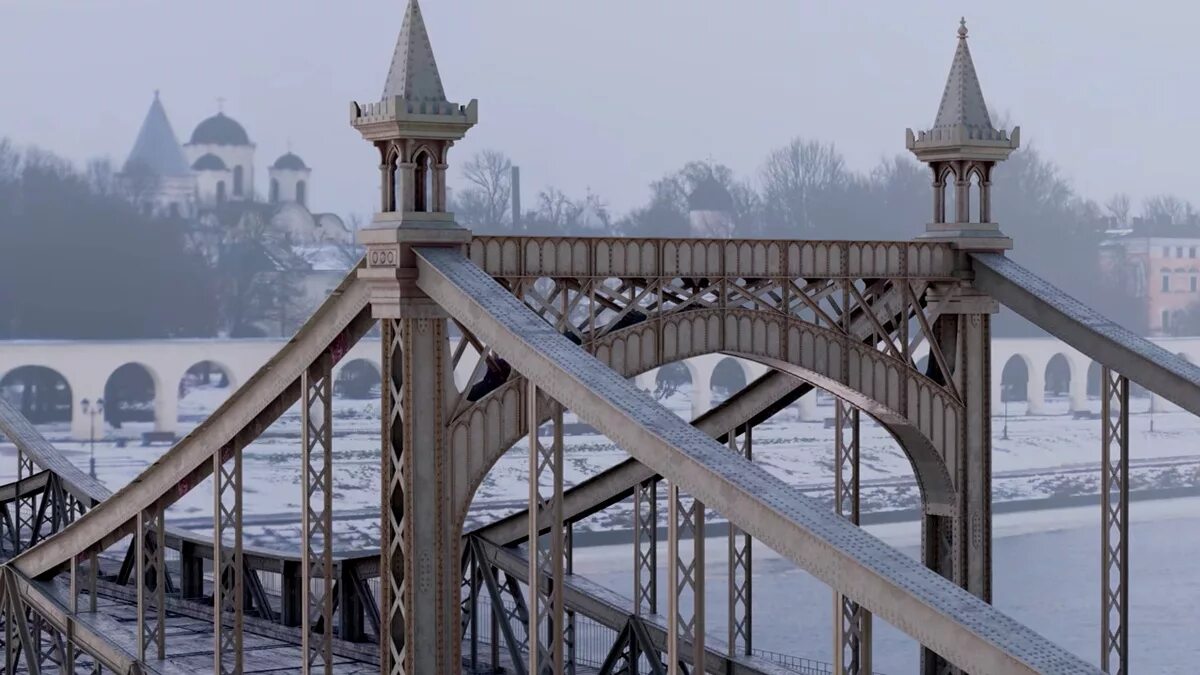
[(919, 413), (423, 183)]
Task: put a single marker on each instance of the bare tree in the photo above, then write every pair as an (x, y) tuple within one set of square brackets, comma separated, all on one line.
[(800, 182), (1168, 209), (485, 203), (555, 208), (101, 176), (1118, 208)]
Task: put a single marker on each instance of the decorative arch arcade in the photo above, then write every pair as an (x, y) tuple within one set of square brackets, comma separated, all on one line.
[(41, 394)]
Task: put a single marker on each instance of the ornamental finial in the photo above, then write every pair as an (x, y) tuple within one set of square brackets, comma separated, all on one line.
[(962, 28)]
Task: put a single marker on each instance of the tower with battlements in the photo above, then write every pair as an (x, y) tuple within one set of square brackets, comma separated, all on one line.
[(413, 126), (961, 149)]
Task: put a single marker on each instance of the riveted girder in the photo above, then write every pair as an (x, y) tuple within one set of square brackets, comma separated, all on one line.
[(939, 614)]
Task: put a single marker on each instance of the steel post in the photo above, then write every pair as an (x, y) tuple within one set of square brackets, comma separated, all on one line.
[(685, 626), (547, 554), (151, 582), (645, 547), (228, 603), (1114, 523), (419, 559), (851, 621), (741, 569), (316, 517)]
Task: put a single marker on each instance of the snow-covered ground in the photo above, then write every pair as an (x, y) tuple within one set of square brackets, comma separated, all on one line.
[(1038, 457)]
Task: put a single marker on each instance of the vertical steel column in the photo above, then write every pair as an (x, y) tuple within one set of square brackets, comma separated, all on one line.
[(645, 547), (1114, 524), (316, 516), (547, 555), (10, 653), (686, 518), (741, 570), (227, 560), (151, 582), (72, 610), (393, 524), (93, 572), (26, 506), (851, 622), (569, 628), (420, 563)]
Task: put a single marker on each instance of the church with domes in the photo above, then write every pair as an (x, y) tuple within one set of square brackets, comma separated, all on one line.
[(214, 168), (210, 182)]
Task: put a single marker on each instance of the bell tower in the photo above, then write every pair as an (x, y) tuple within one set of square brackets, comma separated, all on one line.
[(413, 127), (961, 149)]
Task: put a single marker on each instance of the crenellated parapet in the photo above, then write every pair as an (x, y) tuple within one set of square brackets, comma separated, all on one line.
[(434, 119)]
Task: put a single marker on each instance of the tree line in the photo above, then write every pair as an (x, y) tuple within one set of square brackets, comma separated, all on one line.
[(77, 260), (804, 190)]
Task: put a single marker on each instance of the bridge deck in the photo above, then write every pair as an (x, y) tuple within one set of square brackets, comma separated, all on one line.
[(939, 614), (190, 643)]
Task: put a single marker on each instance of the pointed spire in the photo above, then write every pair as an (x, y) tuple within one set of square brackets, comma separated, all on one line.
[(156, 149), (962, 101), (414, 72)]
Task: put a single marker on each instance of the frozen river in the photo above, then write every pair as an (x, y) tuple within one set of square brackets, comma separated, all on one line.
[(1047, 575), (1047, 566)]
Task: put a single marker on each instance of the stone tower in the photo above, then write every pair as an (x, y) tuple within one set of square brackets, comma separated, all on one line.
[(413, 127), (961, 149), (156, 175)]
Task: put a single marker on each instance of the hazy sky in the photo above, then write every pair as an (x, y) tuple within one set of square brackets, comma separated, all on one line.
[(611, 94)]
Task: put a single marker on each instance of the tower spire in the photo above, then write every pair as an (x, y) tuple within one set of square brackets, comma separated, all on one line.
[(157, 150), (414, 72), (961, 149), (962, 101)]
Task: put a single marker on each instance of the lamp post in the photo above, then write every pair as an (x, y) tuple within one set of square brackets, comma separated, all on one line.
[(92, 410), (1004, 395)]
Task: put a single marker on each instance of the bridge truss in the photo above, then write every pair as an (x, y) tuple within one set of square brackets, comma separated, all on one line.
[(558, 324)]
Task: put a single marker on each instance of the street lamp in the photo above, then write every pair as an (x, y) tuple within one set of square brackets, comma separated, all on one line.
[(1004, 395), (92, 410)]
